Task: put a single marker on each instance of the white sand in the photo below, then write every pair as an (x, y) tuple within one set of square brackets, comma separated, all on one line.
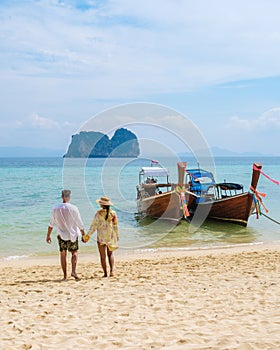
[(215, 299)]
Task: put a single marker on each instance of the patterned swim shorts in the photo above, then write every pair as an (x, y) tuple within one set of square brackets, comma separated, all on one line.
[(67, 245)]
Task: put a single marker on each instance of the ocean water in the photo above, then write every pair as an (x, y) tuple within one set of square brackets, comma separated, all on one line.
[(30, 187)]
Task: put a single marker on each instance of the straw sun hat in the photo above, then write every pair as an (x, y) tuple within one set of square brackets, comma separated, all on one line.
[(104, 201)]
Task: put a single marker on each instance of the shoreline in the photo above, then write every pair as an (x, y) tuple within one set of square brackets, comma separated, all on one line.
[(149, 253)]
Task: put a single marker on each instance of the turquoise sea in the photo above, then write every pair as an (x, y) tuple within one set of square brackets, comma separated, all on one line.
[(30, 187)]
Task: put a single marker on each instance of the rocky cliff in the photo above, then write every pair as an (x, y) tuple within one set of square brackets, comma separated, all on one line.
[(92, 144)]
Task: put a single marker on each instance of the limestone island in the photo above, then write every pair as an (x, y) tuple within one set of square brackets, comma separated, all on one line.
[(94, 144)]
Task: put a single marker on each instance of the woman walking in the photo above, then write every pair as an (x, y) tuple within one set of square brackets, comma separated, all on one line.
[(105, 222)]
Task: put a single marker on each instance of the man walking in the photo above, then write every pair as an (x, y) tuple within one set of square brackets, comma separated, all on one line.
[(66, 217)]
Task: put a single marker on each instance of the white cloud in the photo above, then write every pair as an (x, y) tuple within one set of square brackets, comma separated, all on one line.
[(36, 121), (268, 120), (43, 123), (236, 122)]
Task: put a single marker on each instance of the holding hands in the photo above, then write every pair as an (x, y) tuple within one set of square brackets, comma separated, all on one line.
[(85, 238)]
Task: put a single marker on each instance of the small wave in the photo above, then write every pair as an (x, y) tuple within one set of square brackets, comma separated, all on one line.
[(209, 247), (15, 257)]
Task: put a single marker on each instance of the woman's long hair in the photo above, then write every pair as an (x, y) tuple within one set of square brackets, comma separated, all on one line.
[(107, 207)]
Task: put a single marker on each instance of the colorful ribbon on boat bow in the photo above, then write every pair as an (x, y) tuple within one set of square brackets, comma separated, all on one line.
[(258, 201), (181, 192), (257, 195)]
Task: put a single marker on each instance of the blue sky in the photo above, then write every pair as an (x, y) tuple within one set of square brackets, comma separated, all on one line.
[(217, 62)]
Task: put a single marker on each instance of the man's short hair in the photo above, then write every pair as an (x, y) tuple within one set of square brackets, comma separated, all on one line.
[(66, 193)]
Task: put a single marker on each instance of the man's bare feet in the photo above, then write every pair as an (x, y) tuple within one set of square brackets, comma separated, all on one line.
[(73, 274), (112, 274)]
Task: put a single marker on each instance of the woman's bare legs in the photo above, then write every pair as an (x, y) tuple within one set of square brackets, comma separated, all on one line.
[(102, 252), (111, 261)]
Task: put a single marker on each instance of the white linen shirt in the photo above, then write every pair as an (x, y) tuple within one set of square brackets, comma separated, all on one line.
[(66, 217)]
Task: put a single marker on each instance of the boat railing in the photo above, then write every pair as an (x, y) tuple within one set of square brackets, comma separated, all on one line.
[(145, 190), (142, 193), (228, 189)]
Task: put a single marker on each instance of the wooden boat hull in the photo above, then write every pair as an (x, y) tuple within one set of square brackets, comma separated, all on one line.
[(235, 209), (230, 208), (161, 206)]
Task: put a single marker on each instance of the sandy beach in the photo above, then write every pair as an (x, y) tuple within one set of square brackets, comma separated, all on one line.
[(205, 299)]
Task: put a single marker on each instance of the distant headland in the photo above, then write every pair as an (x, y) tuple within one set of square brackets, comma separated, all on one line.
[(94, 144)]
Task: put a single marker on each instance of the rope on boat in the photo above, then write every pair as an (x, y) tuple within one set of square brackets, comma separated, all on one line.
[(268, 217)]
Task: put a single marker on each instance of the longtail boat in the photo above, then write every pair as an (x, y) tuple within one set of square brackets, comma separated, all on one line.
[(225, 201), (156, 197), (196, 191)]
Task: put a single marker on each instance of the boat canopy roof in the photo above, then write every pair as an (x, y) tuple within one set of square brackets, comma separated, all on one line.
[(154, 171), (201, 176), (230, 186)]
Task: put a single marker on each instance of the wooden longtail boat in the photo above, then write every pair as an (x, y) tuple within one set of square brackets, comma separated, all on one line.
[(221, 201), (196, 192), (155, 197)]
